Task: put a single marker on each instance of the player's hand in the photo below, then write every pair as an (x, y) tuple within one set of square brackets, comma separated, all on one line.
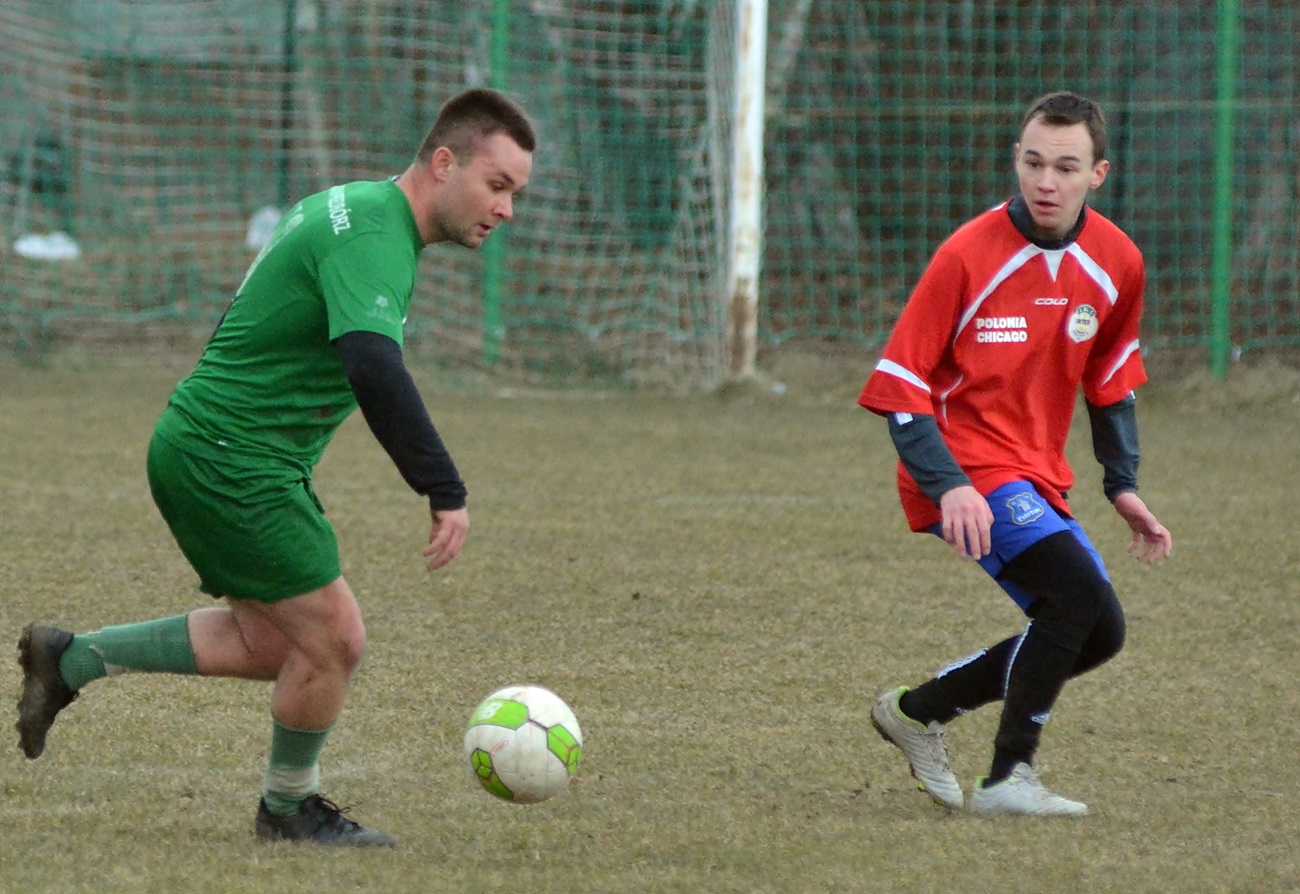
[(967, 522), (447, 536), (1151, 540)]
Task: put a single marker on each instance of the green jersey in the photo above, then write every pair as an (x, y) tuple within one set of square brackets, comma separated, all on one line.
[(270, 383)]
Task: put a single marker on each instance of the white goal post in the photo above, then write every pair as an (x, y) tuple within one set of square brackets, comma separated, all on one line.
[(744, 246)]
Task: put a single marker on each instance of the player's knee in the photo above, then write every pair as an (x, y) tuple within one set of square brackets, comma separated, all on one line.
[(1110, 630), (1106, 638), (335, 638), (1081, 614), (344, 644), (337, 653), (1106, 633), (353, 649), (344, 633)]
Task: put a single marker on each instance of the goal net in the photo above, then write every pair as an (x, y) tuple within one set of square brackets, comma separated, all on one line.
[(154, 139), (144, 144)]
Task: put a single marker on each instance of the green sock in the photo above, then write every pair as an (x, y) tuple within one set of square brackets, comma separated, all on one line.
[(294, 771), (161, 646)]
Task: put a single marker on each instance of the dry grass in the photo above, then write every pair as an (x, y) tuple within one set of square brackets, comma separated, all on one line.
[(714, 585)]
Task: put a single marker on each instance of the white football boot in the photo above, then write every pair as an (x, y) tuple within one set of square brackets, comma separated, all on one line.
[(922, 745), (1021, 794)]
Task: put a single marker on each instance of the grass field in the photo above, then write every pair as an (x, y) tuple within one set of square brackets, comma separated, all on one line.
[(718, 586)]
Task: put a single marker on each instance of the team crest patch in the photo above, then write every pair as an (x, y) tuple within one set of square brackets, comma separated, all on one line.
[(1082, 324), (1025, 508)]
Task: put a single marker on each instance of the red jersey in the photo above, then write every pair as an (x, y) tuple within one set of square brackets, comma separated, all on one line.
[(995, 341)]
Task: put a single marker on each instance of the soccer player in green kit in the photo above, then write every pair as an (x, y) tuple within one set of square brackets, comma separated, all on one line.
[(314, 331)]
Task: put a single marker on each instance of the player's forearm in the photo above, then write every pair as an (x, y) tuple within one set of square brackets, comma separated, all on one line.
[(397, 416), (924, 454), (1115, 444)]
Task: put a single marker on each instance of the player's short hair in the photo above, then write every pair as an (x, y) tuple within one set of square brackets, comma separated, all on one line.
[(475, 115), (1063, 108)]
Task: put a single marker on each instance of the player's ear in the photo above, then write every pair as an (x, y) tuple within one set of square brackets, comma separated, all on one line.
[(441, 163), (1099, 171)]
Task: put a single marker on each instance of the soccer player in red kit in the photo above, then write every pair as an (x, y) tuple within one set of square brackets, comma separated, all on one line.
[(1017, 309)]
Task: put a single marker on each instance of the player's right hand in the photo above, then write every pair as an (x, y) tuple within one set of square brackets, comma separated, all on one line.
[(446, 537), (967, 522)]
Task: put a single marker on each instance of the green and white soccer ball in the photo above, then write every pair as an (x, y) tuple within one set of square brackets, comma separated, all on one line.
[(523, 744)]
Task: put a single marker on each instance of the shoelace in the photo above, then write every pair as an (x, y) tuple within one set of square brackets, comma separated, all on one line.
[(335, 813)]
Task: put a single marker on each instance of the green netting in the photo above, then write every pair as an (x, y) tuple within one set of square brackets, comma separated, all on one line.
[(153, 132), (889, 147)]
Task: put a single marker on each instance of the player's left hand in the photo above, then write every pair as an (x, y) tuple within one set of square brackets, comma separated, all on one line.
[(446, 537), (1151, 540)]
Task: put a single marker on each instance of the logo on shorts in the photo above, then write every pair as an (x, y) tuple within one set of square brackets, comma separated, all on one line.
[(1025, 508)]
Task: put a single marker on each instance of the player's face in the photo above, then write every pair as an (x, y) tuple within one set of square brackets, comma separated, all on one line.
[(480, 190), (1056, 170)]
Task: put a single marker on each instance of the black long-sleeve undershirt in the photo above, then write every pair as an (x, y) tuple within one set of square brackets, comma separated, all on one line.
[(928, 460), (1115, 444), (397, 417), (926, 457)]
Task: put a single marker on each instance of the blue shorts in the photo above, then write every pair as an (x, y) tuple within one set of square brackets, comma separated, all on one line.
[(1021, 518)]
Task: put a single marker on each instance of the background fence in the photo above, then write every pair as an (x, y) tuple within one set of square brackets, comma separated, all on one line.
[(152, 133)]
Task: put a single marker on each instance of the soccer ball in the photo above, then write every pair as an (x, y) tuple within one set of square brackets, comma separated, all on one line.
[(523, 744)]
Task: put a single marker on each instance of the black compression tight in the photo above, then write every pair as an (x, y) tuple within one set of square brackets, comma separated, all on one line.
[(1076, 625)]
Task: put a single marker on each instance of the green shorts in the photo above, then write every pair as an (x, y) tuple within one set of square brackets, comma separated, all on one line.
[(252, 529)]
